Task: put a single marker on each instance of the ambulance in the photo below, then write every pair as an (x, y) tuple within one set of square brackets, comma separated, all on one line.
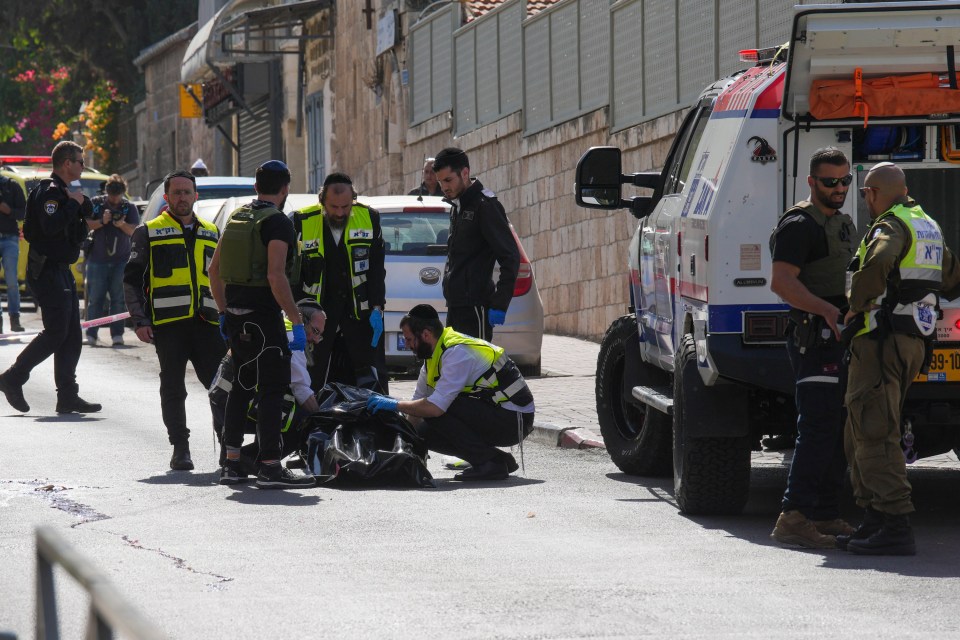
[(695, 373)]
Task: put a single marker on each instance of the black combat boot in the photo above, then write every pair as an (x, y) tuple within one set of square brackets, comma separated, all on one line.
[(15, 322), (180, 461), (872, 520), (895, 538)]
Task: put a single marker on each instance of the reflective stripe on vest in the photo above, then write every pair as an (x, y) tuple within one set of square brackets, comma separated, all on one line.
[(501, 382), (179, 284), (357, 235), (920, 275)]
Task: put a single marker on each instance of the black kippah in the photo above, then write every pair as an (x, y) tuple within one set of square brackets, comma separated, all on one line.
[(337, 178), (424, 312)]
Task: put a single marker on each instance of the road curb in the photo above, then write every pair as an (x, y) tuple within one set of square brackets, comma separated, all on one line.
[(566, 437)]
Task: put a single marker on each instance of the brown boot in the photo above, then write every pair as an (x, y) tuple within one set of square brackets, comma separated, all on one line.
[(15, 322), (794, 528), (835, 527)]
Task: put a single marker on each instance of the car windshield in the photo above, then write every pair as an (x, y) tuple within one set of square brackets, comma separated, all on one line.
[(415, 234)]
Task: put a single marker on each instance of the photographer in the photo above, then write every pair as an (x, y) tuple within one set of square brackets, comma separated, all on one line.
[(112, 223), (12, 207)]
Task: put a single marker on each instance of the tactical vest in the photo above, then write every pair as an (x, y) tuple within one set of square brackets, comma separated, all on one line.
[(912, 307), (500, 383), (243, 256), (824, 277), (179, 284), (358, 239)]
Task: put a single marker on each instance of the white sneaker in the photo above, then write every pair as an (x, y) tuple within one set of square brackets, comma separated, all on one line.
[(118, 341), (91, 340)]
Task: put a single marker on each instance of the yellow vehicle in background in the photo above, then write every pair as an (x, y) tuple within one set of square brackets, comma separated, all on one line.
[(28, 171)]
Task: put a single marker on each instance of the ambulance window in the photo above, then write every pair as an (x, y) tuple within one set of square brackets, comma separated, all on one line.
[(683, 159)]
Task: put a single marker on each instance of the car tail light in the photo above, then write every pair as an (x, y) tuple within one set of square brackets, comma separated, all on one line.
[(764, 327), (524, 273)]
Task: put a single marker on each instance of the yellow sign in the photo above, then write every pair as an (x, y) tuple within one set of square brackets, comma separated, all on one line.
[(191, 106)]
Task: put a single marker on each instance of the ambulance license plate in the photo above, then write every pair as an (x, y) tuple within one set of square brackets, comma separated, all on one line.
[(944, 367), (401, 343)]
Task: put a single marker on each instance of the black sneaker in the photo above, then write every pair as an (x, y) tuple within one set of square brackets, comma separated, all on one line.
[(232, 472), (77, 405), (275, 476), (14, 394)]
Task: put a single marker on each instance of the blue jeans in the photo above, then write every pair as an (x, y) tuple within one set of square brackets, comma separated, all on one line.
[(9, 255), (105, 280), (819, 464)]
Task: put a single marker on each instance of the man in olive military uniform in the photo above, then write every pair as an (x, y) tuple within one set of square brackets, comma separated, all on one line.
[(250, 275), (480, 237), (811, 247), (901, 270), (55, 227), (342, 267), (166, 287)]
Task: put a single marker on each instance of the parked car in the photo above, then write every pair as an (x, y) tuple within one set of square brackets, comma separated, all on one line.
[(415, 238), (208, 188)]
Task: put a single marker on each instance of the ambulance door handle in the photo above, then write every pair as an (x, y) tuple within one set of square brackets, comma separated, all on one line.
[(693, 265)]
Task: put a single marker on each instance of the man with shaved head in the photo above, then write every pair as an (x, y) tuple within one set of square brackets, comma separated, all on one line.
[(900, 271)]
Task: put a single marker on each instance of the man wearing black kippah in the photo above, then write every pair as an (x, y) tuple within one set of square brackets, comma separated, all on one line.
[(479, 237), (470, 397), (342, 268)]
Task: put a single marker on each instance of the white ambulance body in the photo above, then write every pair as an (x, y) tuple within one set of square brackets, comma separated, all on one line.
[(697, 373)]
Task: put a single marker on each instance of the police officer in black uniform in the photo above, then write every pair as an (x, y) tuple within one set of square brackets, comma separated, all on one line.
[(479, 237), (55, 227), (811, 247)]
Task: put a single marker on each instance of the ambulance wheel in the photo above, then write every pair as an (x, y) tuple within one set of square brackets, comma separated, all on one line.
[(711, 476), (636, 436)]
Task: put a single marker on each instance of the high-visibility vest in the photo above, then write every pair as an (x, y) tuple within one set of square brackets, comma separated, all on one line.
[(179, 284), (358, 236), (501, 382), (913, 307)]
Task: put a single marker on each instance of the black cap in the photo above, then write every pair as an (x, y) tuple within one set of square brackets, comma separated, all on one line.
[(275, 166), (424, 312)]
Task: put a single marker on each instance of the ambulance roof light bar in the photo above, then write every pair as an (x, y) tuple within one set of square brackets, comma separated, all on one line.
[(24, 159), (762, 56)]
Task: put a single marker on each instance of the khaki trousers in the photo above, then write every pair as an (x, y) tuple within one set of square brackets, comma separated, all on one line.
[(879, 375)]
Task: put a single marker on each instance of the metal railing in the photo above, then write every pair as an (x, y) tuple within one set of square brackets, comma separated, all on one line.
[(109, 611)]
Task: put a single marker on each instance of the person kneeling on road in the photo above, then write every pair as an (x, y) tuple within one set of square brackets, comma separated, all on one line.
[(479, 403)]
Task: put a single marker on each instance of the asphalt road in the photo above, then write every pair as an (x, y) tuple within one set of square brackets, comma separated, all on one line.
[(573, 550)]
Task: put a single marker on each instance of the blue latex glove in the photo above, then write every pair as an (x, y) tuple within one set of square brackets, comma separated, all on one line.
[(377, 402), (299, 342), (376, 322), (496, 317), (223, 327)]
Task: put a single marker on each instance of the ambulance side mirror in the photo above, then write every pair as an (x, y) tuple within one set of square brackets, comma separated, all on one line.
[(598, 179)]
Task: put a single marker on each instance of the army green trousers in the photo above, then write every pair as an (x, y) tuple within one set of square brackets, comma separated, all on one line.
[(879, 375)]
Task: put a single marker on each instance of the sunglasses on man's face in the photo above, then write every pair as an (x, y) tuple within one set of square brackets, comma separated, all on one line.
[(830, 183)]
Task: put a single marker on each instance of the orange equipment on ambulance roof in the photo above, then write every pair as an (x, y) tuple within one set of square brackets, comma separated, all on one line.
[(910, 95)]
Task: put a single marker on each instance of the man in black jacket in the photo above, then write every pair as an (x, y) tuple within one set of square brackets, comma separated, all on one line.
[(480, 236), (55, 228)]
